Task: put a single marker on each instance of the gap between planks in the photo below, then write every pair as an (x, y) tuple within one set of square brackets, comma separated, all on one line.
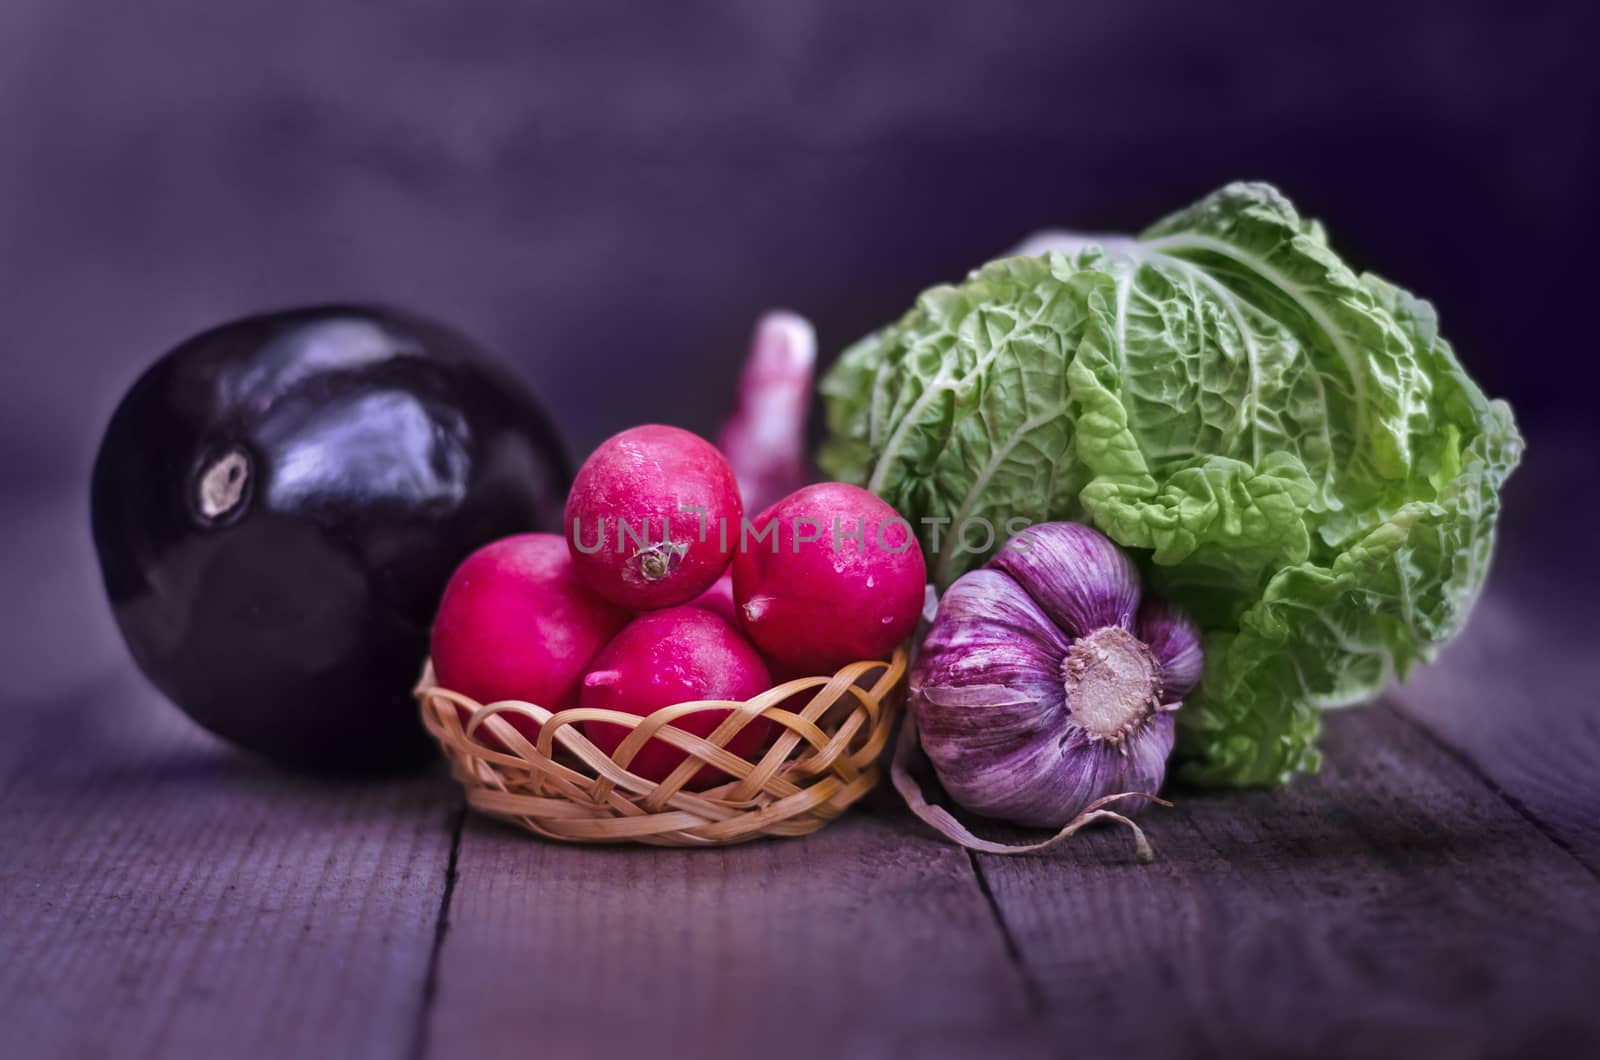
[(1395, 904), (1030, 983), (430, 980), (870, 938)]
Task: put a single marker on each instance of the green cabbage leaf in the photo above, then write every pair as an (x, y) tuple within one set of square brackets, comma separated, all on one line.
[(1289, 447)]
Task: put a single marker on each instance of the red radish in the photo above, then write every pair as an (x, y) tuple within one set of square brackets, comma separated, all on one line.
[(649, 515), (668, 657), (719, 598), (764, 439), (839, 577), (517, 623)]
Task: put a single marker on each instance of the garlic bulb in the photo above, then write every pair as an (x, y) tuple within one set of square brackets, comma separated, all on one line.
[(1045, 684)]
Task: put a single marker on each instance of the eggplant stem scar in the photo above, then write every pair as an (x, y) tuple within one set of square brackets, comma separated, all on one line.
[(222, 485)]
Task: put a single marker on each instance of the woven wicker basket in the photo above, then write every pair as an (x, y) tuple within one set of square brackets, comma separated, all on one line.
[(824, 757)]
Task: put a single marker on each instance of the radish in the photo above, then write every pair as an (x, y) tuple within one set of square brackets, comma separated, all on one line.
[(828, 575), (649, 517), (517, 623), (764, 438), (663, 658)]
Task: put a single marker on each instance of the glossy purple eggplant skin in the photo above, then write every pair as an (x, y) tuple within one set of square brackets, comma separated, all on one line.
[(278, 503)]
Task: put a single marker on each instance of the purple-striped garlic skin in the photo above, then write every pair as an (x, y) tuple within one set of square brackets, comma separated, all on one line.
[(1175, 642), (1079, 578), (1045, 684)]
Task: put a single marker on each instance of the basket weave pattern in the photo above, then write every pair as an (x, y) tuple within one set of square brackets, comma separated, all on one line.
[(823, 758)]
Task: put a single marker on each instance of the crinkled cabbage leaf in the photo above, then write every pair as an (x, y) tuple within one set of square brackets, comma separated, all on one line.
[(1289, 446)]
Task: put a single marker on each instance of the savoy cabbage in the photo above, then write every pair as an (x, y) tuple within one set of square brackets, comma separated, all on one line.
[(1289, 447)]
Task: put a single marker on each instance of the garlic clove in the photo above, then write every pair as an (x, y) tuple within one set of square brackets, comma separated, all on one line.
[(992, 760), (1174, 639), (990, 632), (1091, 768), (1076, 575)]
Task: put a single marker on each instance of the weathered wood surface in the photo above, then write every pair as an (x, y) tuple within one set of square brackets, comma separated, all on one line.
[(868, 939), (1518, 694), (161, 895), (1393, 905), (1521, 702), (1433, 892)]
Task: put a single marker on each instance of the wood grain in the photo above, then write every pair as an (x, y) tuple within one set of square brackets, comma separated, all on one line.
[(867, 939), (1524, 708), (1433, 892), (1518, 694), (164, 896), (1393, 905)]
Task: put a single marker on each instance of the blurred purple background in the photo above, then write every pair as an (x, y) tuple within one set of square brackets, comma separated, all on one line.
[(610, 197), (611, 200)]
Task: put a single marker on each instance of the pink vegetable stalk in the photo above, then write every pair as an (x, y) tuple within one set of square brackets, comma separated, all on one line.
[(764, 438)]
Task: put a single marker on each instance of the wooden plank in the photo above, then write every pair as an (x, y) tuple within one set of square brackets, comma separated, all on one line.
[(1393, 905), (1518, 694), (867, 939), (165, 896)]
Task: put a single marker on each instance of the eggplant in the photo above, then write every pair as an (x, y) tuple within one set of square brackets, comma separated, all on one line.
[(278, 503)]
